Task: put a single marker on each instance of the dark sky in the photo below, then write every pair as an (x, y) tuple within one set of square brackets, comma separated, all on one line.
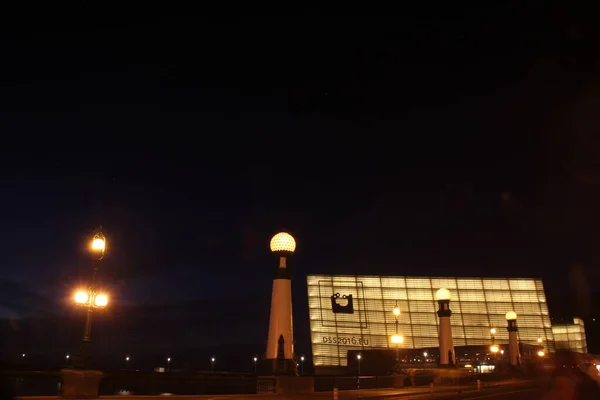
[(459, 144)]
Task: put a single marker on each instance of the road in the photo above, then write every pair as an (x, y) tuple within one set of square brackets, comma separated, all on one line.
[(530, 393)]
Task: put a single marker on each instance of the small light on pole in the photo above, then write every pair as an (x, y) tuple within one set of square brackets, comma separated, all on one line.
[(539, 340), (127, 362), (302, 365), (23, 355), (168, 363), (541, 353), (212, 364), (255, 361), (358, 357), (67, 357)]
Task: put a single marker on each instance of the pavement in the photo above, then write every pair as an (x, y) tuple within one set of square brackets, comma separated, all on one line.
[(512, 389)]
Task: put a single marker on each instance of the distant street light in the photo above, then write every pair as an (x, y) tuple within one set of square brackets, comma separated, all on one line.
[(255, 361), (169, 364), (358, 358), (91, 300), (23, 355), (539, 340), (67, 357), (541, 353), (397, 339), (302, 365), (212, 364), (126, 362)]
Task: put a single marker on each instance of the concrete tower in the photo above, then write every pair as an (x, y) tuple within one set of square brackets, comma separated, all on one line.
[(513, 341), (280, 343), (447, 357)]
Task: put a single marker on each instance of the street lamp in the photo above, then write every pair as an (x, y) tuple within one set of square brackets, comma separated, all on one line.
[(212, 364), (396, 338), (302, 365), (539, 340), (255, 360), (67, 357), (91, 299), (541, 353), (358, 357), (126, 362), (169, 364), (494, 349)]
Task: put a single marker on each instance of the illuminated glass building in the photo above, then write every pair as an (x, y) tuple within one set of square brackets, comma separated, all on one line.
[(570, 336), (355, 313)]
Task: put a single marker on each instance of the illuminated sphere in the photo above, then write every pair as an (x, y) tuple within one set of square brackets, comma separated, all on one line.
[(511, 316), (81, 297), (283, 242), (494, 348), (101, 300), (396, 311), (442, 294)]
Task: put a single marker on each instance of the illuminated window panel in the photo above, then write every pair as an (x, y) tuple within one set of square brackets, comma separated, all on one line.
[(394, 294), (541, 297), (418, 283), (458, 341), (499, 308), (476, 320), (423, 318), (478, 342), (421, 306), (498, 296), (472, 332), (420, 294), (530, 321), (463, 283), (374, 304), (495, 284), (421, 342), (372, 293), (470, 295), (448, 283), (523, 296), (527, 308), (370, 281), (425, 330), (472, 307), (392, 282), (522, 284)]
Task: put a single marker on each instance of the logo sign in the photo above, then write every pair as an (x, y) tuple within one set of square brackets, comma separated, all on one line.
[(342, 304)]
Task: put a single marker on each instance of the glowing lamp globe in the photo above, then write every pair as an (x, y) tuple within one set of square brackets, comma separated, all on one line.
[(494, 349), (98, 242), (511, 316), (397, 311), (81, 297), (442, 294), (283, 242), (101, 300)]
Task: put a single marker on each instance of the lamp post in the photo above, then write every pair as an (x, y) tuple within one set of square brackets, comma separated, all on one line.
[(302, 365), (396, 338), (445, 334), (168, 364), (513, 343), (127, 362), (280, 357), (358, 357), (255, 360), (91, 299), (212, 364)]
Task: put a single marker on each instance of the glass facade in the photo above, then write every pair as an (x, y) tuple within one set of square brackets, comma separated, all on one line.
[(571, 336), (356, 312)]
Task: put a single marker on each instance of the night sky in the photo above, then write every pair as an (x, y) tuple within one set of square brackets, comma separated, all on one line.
[(411, 145)]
